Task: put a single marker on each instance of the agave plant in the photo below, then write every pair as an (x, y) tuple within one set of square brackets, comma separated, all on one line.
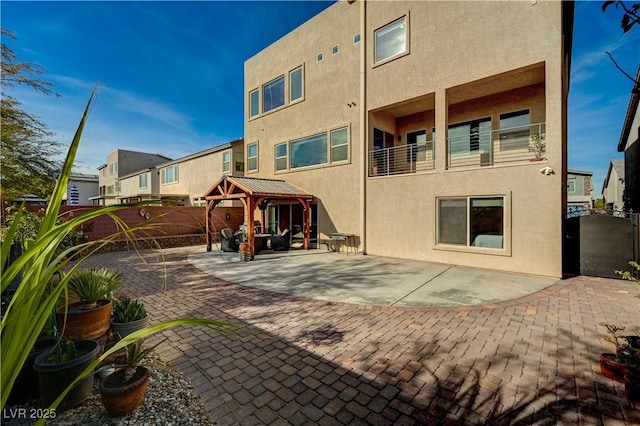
[(90, 285), (128, 310), (34, 300)]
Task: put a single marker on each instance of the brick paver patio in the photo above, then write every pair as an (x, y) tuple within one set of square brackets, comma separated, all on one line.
[(301, 361)]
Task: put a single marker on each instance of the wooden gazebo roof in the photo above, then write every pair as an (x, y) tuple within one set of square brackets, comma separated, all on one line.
[(254, 193)]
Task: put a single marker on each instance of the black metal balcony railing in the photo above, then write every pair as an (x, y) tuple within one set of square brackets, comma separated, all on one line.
[(515, 144), (401, 159)]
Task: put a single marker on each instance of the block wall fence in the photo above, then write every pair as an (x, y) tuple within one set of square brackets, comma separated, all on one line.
[(168, 226)]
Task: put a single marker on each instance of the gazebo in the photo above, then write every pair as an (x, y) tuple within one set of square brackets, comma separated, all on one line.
[(255, 193)]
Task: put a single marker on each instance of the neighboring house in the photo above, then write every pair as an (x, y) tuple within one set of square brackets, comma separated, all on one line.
[(86, 187), (188, 178), (121, 163), (414, 126), (177, 182), (630, 143), (579, 189), (613, 189)]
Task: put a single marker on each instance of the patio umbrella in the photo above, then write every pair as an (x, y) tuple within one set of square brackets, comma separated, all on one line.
[(74, 195)]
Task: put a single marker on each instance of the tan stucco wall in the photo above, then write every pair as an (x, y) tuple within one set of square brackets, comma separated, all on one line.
[(463, 61)]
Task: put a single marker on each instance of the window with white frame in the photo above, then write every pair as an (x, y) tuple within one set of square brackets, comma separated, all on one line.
[(169, 174), (335, 49), (252, 157), (282, 157), (471, 221), (391, 40), (339, 145), (110, 190), (254, 103), (309, 151), (114, 168), (571, 186), (142, 180), (273, 94), (296, 84), (320, 57), (356, 39), (226, 162)]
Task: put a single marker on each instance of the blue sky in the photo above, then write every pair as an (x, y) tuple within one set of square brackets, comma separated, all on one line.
[(172, 72)]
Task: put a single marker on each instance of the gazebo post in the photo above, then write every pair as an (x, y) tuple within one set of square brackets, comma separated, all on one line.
[(207, 221), (250, 229)]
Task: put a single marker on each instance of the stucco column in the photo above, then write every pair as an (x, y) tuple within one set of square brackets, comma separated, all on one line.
[(441, 119)]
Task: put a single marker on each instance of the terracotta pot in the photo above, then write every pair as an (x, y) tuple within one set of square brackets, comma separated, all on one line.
[(85, 323), (121, 397), (632, 388), (612, 369)]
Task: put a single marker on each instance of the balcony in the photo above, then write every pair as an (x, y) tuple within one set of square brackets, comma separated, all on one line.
[(487, 148), (403, 159)]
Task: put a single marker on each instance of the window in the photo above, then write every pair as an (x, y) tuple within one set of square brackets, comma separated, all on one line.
[(104, 171), (143, 180), (514, 130), (273, 94), (296, 85), (110, 190), (254, 103), (571, 186), (320, 57), (239, 161), (472, 137), (339, 145), (309, 151), (391, 40), (471, 222), (226, 162), (281, 157), (335, 49), (356, 39), (169, 174), (252, 157), (418, 142), (113, 168)]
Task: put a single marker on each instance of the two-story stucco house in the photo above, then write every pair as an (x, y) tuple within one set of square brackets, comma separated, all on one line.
[(579, 189), (135, 176), (613, 189), (629, 143), (121, 163), (422, 128)]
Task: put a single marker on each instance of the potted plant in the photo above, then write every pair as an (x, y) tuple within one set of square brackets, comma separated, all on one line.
[(58, 367), (614, 365), (243, 245), (88, 315), (123, 390), (129, 315), (538, 146)]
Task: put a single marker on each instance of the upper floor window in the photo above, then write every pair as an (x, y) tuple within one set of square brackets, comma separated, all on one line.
[(113, 168), (239, 161), (254, 103), (169, 174), (143, 180), (356, 39), (273, 94), (104, 171), (571, 186), (322, 148), (226, 162), (110, 190), (335, 49), (320, 57), (472, 137), (281, 156), (514, 130), (252, 157), (295, 85), (391, 40)]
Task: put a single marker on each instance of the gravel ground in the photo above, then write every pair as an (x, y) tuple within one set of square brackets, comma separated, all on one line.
[(170, 401)]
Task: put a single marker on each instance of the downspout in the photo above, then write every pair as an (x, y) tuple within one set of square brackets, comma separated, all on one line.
[(364, 166)]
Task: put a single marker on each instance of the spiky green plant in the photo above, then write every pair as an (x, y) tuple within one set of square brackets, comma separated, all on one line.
[(128, 310), (90, 285), (33, 302)]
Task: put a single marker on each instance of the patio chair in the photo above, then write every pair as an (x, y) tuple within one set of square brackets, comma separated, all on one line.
[(228, 241)]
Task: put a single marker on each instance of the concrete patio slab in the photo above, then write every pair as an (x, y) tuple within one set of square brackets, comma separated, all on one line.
[(371, 280)]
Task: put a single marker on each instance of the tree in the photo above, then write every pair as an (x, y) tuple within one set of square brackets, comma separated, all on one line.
[(28, 155), (630, 17)]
